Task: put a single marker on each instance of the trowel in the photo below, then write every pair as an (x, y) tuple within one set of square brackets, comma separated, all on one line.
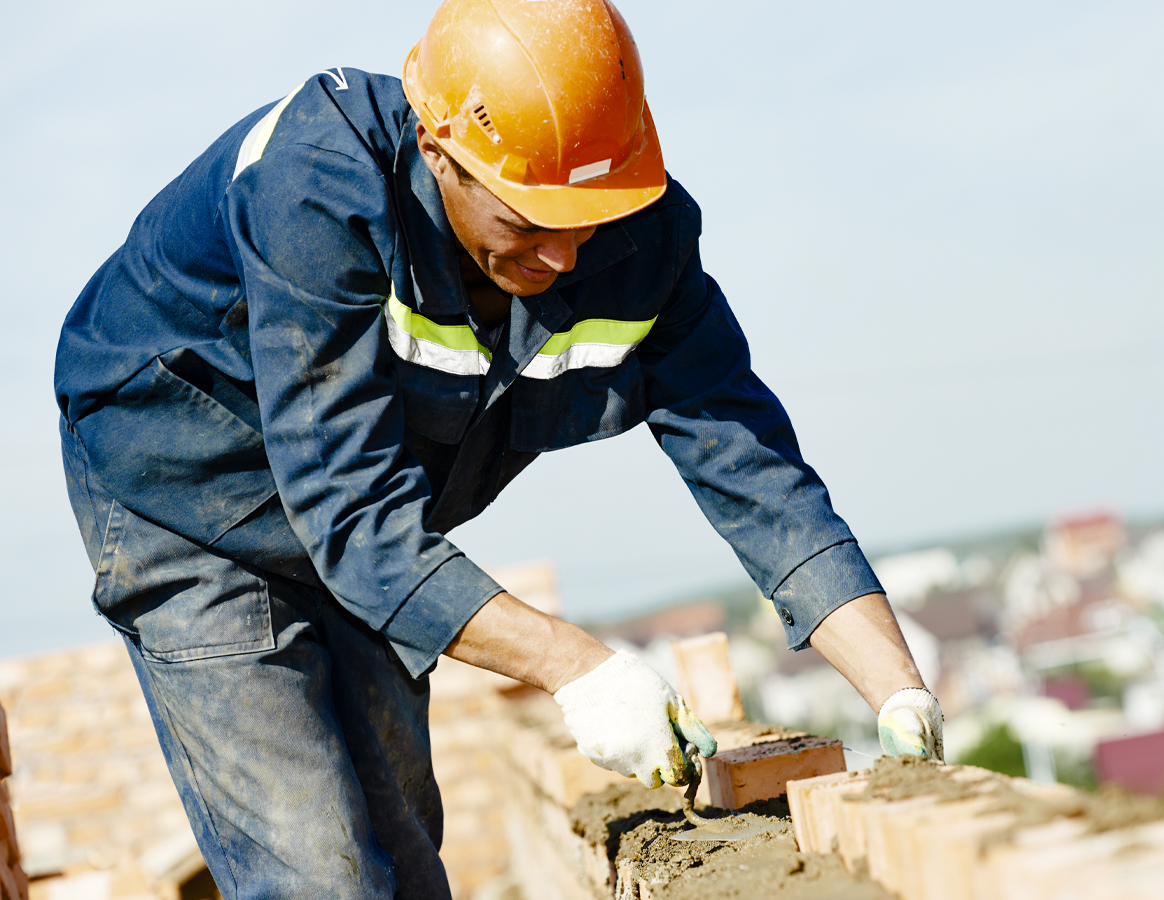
[(727, 828)]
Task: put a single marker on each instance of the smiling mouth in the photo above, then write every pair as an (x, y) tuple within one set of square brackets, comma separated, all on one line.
[(535, 275)]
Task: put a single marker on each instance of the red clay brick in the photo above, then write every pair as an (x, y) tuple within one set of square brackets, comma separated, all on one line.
[(737, 777), (8, 888), (5, 750)]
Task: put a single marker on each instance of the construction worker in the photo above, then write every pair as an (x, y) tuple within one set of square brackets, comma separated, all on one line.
[(340, 333)]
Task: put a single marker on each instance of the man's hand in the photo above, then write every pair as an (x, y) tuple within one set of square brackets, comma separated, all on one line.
[(626, 718), (910, 724)]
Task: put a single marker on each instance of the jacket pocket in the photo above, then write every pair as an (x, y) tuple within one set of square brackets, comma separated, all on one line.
[(176, 599), (577, 406), (437, 405), (177, 455)]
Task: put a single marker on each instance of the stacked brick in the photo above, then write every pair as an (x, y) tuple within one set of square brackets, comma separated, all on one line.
[(13, 881), (464, 710), (99, 818), (926, 832), (97, 814), (467, 712)]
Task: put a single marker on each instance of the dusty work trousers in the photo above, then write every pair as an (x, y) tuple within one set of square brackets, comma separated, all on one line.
[(297, 740)]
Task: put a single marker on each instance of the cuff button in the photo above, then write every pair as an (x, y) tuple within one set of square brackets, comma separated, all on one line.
[(787, 617)]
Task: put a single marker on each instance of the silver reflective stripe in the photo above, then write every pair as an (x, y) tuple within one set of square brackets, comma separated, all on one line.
[(578, 356), (592, 343), (446, 348), (255, 142)]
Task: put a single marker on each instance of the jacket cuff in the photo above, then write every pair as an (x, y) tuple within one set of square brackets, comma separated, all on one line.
[(820, 585), (436, 611)]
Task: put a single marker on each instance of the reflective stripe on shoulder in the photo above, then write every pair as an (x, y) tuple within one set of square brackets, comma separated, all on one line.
[(255, 142), (446, 348), (592, 343)]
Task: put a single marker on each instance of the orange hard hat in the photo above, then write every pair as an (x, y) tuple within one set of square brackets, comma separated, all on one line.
[(542, 102)]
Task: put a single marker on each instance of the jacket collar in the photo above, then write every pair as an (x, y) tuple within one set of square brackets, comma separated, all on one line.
[(431, 244)]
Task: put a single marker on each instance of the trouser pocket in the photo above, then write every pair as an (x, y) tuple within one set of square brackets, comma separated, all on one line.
[(175, 598)]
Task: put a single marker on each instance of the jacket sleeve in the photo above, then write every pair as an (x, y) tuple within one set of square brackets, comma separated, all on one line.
[(313, 232), (734, 446)]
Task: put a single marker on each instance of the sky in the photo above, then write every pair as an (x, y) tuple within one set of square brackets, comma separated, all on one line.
[(940, 225)]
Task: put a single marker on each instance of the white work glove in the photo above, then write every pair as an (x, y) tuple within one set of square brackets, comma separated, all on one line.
[(910, 724), (625, 717)]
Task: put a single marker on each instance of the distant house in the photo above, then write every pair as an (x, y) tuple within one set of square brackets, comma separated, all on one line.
[(683, 620), (1085, 545)]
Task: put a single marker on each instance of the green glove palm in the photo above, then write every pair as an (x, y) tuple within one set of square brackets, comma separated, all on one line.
[(910, 724)]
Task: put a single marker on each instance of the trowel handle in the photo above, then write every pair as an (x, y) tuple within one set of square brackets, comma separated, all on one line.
[(689, 812)]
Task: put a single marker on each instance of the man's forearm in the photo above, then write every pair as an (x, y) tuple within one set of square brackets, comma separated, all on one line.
[(863, 642), (511, 638)]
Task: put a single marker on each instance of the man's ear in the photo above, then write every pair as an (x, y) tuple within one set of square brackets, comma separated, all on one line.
[(430, 151)]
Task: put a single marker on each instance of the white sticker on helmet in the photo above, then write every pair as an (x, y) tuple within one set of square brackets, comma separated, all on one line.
[(582, 173)]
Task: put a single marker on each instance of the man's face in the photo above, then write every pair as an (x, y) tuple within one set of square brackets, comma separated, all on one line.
[(519, 257)]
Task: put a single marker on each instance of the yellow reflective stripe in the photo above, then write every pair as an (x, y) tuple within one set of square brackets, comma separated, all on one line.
[(256, 140), (592, 343), (447, 348), (597, 331), (455, 337)]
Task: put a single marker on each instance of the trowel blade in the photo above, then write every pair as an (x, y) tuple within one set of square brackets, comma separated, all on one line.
[(720, 833)]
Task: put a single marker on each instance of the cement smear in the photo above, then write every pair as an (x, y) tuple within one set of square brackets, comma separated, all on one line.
[(1106, 809), (636, 825)]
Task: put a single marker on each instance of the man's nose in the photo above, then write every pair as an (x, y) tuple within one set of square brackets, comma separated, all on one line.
[(559, 249)]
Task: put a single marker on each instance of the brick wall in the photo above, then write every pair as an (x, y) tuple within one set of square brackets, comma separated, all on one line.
[(99, 818), (92, 799)]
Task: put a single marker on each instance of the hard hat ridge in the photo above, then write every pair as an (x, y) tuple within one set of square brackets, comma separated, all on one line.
[(542, 101)]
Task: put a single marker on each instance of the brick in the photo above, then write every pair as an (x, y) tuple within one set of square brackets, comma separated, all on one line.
[(920, 847), (84, 886), (599, 867), (706, 678), (5, 748), (1001, 863), (737, 777), (542, 749), (537, 865), (535, 583), (887, 853), (626, 884), (21, 881), (914, 841), (11, 851), (813, 816), (1050, 864), (129, 881), (8, 888), (849, 820), (825, 810), (955, 848)]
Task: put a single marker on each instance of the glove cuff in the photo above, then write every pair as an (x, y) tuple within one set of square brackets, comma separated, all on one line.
[(606, 683), (915, 698)]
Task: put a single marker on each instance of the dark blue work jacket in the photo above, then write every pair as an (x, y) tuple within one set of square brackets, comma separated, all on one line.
[(281, 363)]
